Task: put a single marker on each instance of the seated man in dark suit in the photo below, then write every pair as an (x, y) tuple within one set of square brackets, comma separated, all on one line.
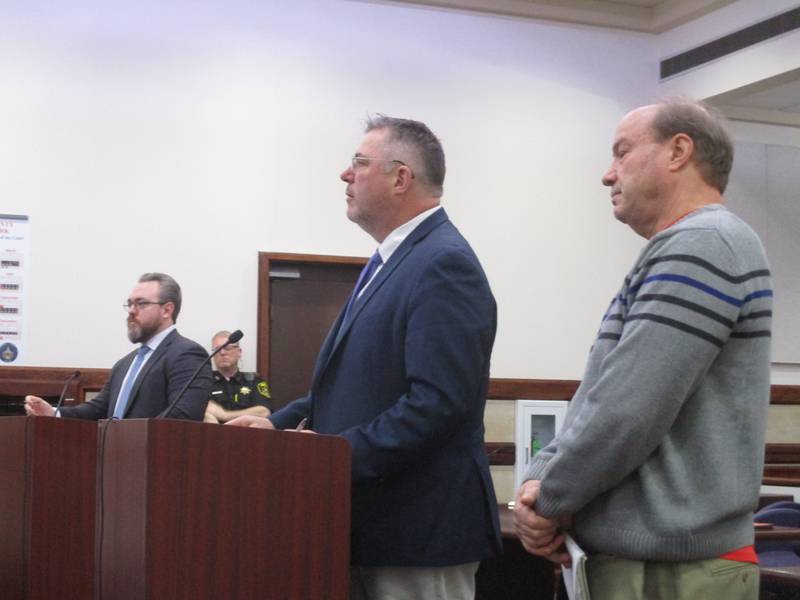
[(146, 381), (403, 375), (233, 392)]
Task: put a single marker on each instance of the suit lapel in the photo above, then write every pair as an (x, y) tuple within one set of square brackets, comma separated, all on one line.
[(421, 231), (151, 362)]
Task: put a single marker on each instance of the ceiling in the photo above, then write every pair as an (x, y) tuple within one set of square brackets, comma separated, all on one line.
[(773, 101), (651, 16)]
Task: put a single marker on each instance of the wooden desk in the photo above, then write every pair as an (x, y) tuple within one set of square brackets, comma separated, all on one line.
[(781, 574), (777, 532), (184, 513), (47, 508), (779, 583), (767, 499)]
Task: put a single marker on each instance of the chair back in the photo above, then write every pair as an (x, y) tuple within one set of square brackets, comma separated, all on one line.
[(780, 504), (785, 517)]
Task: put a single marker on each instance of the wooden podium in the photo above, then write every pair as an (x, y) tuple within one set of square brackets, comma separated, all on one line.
[(198, 511), (47, 508)]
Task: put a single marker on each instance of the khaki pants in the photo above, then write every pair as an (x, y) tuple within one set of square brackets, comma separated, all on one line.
[(612, 578), (413, 583)]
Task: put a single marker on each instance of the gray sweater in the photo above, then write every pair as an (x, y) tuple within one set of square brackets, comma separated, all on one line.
[(661, 453)]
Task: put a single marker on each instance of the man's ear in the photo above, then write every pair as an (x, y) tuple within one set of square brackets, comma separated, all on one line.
[(403, 177), (681, 151), (168, 309)]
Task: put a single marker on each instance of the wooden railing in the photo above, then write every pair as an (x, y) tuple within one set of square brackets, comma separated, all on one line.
[(47, 382)]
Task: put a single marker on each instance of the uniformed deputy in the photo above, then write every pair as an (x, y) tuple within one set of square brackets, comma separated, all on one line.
[(233, 392)]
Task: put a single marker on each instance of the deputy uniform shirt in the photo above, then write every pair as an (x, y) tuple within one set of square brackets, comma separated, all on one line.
[(241, 391)]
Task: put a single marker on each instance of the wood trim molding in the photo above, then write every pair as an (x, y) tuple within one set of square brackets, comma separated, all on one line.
[(499, 388), (48, 381), (539, 389), (783, 471), (776, 454), (782, 465), (500, 453), (291, 258), (785, 394), (782, 460), (781, 481), (782, 454)]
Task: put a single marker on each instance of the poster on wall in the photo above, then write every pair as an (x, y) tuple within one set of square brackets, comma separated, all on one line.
[(14, 254)]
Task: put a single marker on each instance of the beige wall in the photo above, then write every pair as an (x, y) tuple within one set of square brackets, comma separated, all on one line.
[(499, 422), (783, 423)]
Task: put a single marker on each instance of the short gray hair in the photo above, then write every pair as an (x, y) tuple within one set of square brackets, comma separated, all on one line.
[(713, 148), (168, 290), (422, 142), (221, 333)]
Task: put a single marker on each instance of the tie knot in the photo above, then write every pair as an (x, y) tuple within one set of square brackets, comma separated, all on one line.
[(143, 350)]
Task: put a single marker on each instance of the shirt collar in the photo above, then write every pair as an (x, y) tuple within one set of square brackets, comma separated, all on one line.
[(236, 377), (156, 340), (396, 237)]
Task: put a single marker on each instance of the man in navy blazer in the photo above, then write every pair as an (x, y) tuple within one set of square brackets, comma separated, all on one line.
[(168, 362), (403, 376)]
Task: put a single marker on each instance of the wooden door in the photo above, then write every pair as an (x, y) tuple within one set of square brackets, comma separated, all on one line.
[(299, 297)]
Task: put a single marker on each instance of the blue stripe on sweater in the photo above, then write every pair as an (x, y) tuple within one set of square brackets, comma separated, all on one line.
[(704, 288), (758, 294)]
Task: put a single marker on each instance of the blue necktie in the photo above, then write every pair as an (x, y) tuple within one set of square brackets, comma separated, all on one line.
[(366, 274), (124, 395)]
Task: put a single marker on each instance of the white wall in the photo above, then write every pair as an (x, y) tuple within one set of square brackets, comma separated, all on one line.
[(765, 134), (744, 67), (187, 138), (772, 211)]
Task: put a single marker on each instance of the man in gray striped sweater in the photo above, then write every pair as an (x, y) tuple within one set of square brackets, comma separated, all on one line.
[(657, 468)]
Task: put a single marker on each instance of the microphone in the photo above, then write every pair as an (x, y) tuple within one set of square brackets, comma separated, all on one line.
[(75, 375), (232, 339)]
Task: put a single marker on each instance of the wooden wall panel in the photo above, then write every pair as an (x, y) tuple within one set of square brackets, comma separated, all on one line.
[(47, 382)]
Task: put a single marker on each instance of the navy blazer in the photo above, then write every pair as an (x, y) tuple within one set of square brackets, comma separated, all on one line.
[(162, 377), (404, 381)]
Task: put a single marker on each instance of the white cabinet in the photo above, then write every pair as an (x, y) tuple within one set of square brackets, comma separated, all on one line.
[(537, 422)]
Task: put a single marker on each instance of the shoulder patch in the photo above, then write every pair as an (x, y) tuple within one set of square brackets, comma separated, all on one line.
[(263, 389)]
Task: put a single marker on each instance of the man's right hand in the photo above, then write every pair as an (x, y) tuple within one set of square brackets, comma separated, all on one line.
[(38, 407), (538, 535), (251, 421)]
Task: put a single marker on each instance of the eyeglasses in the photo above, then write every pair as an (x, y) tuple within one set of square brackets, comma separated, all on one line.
[(227, 348), (362, 161), (138, 305)]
